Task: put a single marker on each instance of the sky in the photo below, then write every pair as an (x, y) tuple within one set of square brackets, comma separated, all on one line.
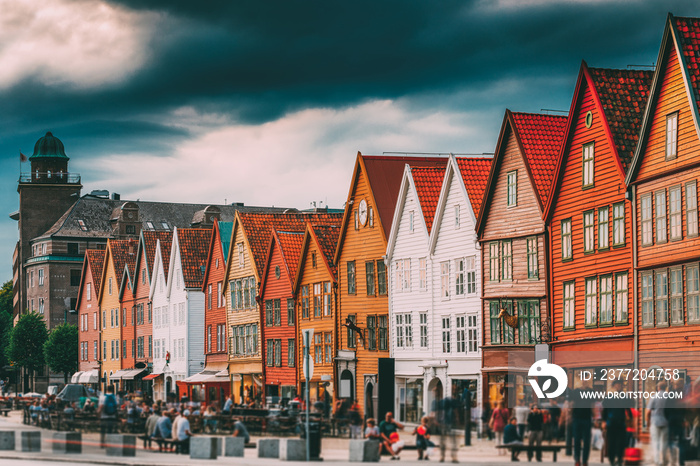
[(268, 103)]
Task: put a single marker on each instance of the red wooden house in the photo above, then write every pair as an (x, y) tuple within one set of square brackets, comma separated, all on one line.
[(89, 313), (128, 320), (589, 215), (278, 320), (664, 180)]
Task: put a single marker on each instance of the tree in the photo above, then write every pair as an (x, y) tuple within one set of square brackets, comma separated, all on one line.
[(26, 348), (61, 350), (5, 322)]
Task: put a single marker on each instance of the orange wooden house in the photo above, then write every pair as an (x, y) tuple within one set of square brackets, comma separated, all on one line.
[(279, 319), (362, 276), (316, 293), (89, 312), (664, 179), (589, 215)]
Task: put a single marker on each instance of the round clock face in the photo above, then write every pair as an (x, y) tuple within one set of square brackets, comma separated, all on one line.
[(362, 212)]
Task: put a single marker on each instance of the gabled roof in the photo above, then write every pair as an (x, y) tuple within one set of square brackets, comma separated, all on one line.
[(221, 235), (94, 259), (149, 239), (194, 247), (224, 230), (620, 96), (257, 228), (539, 138), (682, 36), (384, 174), (289, 244), (475, 173), (325, 237), (428, 182), (123, 255)]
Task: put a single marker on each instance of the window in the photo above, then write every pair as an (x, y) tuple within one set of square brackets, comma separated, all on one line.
[(278, 353), (277, 312), (406, 286), (94, 320), (528, 322), (372, 332), (495, 323), (270, 353), (96, 356), (493, 262), (619, 224), (104, 350), (472, 334), (661, 298), (326, 299), (693, 293), (445, 279), (318, 299), (671, 136), (143, 276), (41, 280), (209, 339), (305, 302), (352, 338), (457, 215), (404, 331), (460, 334), (588, 165), (241, 255), (532, 259), (369, 277), (588, 232), (370, 216), (459, 277), (383, 330), (470, 266), (357, 220), (446, 335), (411, 221), (677, 296), (512, 179), (423, 273), (606, 300), (88, 291), (268, 313), (506, 260), (566, 250), (675, 212), (591, 302), (150, 346), (73, 249), (219, 294), (82, 225), (209, 296), (603, 230), (381, 277), (328, 337), (291, 352), (423, 322), (661, 216), (691, 209), (318, 348), (647, 233), (290, 312), (569, 305), (351, 277), (621, 298)]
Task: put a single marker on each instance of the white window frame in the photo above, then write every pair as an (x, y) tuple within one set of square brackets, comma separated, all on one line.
[(424, 335), (672, 136), (470, 274), (675, 213), (459, 277), (446, 335), (691, 209), (647, 218), (660, 217), (445, 280), (512, 188), (569, 297), (591, 301), (423, 273), (588, 167)]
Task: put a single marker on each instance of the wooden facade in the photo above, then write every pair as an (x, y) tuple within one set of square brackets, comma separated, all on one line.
[(514, 265), (89, 319)]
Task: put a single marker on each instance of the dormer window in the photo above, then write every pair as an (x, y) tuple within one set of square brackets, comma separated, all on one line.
[(150, 226), (165, 226), (672, 136), (82, 225)]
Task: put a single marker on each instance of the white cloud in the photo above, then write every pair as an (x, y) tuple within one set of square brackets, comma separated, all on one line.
[(303, 157), (83, 43)]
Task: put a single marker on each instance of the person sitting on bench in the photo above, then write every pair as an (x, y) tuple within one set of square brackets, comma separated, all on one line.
[(163, 430), (239, 430), (511, 436), (183, 433)]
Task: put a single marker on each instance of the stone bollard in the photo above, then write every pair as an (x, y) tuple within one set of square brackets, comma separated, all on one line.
[(204, 448), (364, 451), (269, 448), (293, 449), (7, 439), (234, 446), (30, 440), (67, 442), (121, 445)]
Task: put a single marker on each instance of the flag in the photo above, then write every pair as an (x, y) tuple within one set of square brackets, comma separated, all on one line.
[(22, 157)]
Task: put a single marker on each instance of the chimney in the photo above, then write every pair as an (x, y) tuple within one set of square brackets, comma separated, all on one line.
[(132, 244)]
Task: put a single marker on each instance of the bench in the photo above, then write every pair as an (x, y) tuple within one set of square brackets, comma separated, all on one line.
[(515, 448)]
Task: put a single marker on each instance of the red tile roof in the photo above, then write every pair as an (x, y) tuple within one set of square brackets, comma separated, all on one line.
[(258, 229), (541, 137), (623, 94), (475, 173), (327, 238), (428, 181), (123, 253), (96, 260), (290, 244), (689, 32), (150, 239), (384, 174), (194, 249)]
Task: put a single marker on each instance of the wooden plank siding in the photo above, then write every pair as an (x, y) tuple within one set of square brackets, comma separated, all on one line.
[(215, 314), (89, 310), (572, 201), (109, 303), (128, 322), (142, 290)]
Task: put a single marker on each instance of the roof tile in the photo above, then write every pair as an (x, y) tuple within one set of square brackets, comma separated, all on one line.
[(428, 181), (475, 173), (689, 32), (123, 253), (96, 259), (194, 249), (327, 236), (290, 244)]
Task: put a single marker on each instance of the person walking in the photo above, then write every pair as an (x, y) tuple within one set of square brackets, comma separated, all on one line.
[(521, 412), (486, 413), (151, 423), (355, 420), (656, 419), (535, 426), (107, 410), (675, 412), (499, 419), (581, 417), (616, 412)]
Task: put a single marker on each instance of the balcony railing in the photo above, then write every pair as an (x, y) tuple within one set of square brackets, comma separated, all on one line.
[(49, 177)]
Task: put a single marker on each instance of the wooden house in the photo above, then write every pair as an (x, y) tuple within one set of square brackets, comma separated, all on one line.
[(161, 376), (89, 314), (589, 214), (515, 250)]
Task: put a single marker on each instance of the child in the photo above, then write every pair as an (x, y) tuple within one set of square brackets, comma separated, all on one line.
[(423, 442)]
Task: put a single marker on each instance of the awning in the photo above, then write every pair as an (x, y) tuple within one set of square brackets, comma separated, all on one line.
[(152, 376), (89, 377), (132, 374), (76, 377), (223, 373), (119, 374), (213, 372), (200, 377)]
